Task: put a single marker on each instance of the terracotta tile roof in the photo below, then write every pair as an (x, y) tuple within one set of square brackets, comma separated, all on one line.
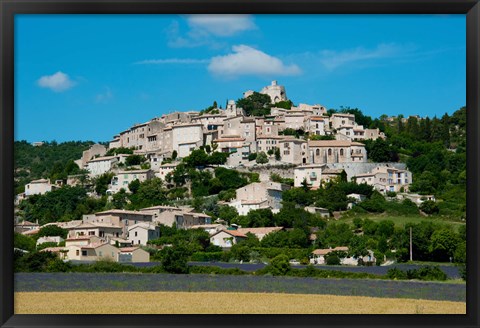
[(40, 181), (31, 232), (100, 159), (133, 172), (54, 249), (328, 250), (27, 223), (228, 139), (365, 175), (128, 249), (93, 246), (293, 140), (143, 225), (333, 143), (233, 233), (122, 212), (259, 231), (332, 171)]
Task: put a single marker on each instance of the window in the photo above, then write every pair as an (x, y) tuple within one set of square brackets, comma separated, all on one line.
[(330, 152), (317, 152), (77, 252), (341, 152), (84, 253), (136, 234)]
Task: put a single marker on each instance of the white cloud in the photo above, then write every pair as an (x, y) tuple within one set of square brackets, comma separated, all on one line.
[(172, 61), (105, 97), (204, 30), (334, 59), (221, 24), (57, 82), (246, 60)]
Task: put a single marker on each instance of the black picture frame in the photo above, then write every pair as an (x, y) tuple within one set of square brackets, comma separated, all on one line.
[(9, 8)]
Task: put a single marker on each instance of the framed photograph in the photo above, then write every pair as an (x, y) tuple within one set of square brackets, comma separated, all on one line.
[(234, 163)]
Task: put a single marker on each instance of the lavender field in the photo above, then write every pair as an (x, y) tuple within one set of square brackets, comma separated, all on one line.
[(68, 282)]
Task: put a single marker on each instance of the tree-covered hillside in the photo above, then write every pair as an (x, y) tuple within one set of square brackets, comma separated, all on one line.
[(52, 160)]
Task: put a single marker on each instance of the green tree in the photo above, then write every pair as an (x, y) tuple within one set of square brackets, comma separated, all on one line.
[(227, 213), (279, 265), (380, 151), (175, 259), (120, 199), (198, 157), (429, 207), (51, 231), (119, 150), (150, 193), (134, 186), (286, 104), (256, 104), (217, 158), (252, 156), (134, 160), (102, 182), (261, 158), (443, 244), (23, 242)]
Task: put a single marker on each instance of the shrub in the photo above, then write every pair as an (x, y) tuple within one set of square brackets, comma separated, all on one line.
[(261, 158), (252, 156), (396, 274), (427, 273), (216, 270), (333, 260), (429, 207), (175, 260), (206, 256), (279, 266), (462, 268), (376, 203), (46, 245)]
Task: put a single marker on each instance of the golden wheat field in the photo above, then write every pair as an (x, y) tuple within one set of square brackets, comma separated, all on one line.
[(221, 303)]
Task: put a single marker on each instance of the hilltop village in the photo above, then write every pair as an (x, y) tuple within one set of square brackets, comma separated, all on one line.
[(290, 146)]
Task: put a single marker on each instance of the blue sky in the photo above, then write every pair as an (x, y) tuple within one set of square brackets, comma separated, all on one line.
[(88, 77)]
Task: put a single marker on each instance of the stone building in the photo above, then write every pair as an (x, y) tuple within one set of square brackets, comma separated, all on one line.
[(336, 151), (293, 151)]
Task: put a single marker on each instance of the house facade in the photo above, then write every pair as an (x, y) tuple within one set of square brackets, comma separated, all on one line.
[(38, 187), (226, 238), (141, 233), (311, 173), (124, 178)]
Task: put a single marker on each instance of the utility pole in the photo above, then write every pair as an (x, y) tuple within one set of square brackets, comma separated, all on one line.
[(411, 257)]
